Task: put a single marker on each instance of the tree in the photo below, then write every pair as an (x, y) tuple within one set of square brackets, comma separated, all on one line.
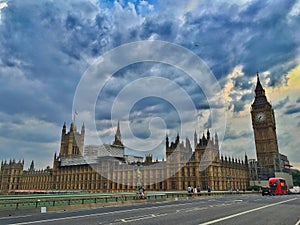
[(296, 177)]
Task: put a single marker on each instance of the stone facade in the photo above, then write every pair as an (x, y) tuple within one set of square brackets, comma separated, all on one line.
[(269, 160), (11, 175), (106, 168)]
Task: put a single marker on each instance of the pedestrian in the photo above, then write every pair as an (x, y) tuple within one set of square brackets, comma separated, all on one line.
[(209, 190), (195, 191), (198, 190), (142, 193), (189, 190)]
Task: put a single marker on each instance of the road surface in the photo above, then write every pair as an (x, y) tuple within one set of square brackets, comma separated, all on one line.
[(244, 210)]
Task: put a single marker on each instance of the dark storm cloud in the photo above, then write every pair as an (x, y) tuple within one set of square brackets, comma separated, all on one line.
[(246, 98), (239, 100), (235, 135), (49, 41), (166, 30), (292, 110), (152, 107), (27, 129), (33, 42), (258, 36), (46, 46), (124, 77), (272, 36), (242, 83), (238, 106), (282, 103)]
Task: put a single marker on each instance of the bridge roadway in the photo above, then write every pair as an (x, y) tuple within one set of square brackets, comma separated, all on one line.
[(244, 210)]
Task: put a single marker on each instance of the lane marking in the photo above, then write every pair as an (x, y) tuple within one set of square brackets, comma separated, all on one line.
[(190, 210), (245, 212), (96, 214), (298, 222), (128, 220), (99, 214)]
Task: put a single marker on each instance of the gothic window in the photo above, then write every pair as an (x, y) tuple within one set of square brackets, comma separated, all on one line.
[(173, 184)]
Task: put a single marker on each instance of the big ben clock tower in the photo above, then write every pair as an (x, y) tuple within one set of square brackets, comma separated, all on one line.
[(264, 126)]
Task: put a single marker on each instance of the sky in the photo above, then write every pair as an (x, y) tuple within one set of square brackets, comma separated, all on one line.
[(159, 67)]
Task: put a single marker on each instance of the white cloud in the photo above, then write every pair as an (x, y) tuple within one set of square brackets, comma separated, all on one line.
[(2, 6), (28, 138), (46, 46), (296, 9)]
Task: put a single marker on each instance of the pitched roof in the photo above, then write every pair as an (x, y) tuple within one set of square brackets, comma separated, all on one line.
[(93, 153), (103, 150), (258, 84)]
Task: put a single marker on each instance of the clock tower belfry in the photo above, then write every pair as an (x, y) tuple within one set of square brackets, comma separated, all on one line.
[(264, 126)]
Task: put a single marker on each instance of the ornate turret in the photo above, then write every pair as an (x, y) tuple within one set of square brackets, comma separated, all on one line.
[(72, 127), (260, 95), (177, 139), (246, 159), (82, 129), (208, 135), (195, 139), (216, 139), (188, 145), (31, 168), (264, 127), (167, 141), (204, 140), (64, 129), (71, 142), (118, 140), (259, 91), (148, 159)]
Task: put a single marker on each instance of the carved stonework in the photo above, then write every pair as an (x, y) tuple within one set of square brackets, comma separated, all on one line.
[(264, 127)]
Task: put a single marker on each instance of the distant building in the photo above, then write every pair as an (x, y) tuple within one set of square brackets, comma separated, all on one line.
[(102, 168), (107, 168), (270, 163)]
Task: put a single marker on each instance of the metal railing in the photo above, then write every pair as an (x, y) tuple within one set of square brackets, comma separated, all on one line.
[(36, 201)]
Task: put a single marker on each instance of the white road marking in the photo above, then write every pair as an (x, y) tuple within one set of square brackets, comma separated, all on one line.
[(248, 211), (190, 210), (298, 222), (96, 214), (131, 219)]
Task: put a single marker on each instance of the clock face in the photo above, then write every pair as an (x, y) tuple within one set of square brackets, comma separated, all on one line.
[(260, 117)]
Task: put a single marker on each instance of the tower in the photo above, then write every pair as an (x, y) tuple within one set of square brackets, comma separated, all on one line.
[(31, 168), (72, 142), (118, 140), (264, 127), (11, 175)]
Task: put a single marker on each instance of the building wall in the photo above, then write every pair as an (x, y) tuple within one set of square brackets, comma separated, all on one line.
[(11, 175), (288, 178), (183, 167), (37, 180)]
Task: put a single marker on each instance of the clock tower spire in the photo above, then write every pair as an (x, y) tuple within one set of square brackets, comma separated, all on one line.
[(264, 127)]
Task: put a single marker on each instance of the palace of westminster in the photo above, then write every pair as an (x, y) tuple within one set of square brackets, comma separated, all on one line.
[(106, 168)]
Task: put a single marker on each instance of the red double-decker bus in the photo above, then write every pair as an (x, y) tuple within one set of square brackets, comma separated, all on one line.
[(278, 186)]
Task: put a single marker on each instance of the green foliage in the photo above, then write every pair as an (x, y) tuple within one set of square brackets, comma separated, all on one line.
[(254, 188), (296, 178)]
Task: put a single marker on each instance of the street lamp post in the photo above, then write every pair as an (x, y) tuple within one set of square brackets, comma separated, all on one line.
[(138, 175)]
